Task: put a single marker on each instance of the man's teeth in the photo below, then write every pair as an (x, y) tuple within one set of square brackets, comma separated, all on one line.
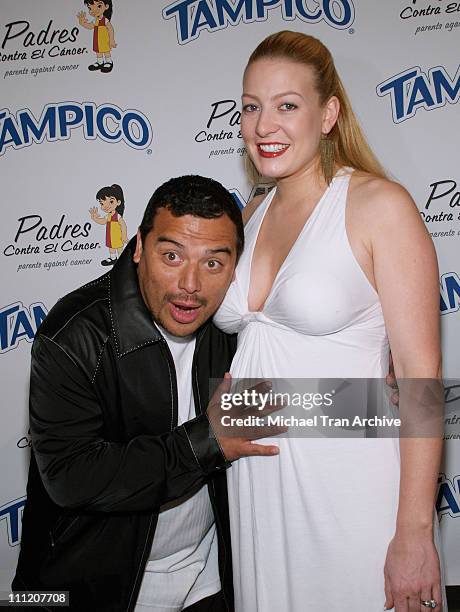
[(273, 148)]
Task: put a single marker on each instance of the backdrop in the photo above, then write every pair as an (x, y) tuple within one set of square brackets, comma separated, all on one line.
[(170, 106)]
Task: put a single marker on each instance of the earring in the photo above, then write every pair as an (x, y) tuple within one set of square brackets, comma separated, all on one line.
[(327, 150)]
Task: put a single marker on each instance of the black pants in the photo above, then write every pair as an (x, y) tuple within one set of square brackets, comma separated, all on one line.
[(213, 603)]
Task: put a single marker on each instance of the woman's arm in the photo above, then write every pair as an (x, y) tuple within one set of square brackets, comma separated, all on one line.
[(407, 281)]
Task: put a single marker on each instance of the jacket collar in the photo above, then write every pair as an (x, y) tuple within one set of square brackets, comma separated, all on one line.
[(132, 322)]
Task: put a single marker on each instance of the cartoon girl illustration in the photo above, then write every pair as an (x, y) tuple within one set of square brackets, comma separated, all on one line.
[(112, 202), (103, 34)]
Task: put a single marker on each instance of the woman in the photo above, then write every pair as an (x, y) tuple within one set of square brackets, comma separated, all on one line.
[(337, 268)]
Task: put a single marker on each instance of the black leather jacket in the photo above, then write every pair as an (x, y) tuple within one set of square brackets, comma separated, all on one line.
[(107, 451)]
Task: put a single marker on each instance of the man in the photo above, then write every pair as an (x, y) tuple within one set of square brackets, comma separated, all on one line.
[(125, 481)]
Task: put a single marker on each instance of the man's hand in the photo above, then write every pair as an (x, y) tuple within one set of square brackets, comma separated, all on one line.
[(235, 446)]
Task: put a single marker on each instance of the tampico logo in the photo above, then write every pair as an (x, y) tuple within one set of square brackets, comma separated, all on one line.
[(59, 120), (448, 501), (413, 89), (11, 514), (450, 293), (18, 322), (193, 16)]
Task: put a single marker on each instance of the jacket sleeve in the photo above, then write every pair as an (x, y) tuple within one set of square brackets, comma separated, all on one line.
[(80, 469)]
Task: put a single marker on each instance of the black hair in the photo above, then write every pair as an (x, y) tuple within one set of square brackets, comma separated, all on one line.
[(114, 191), (198, 196), (108, 12)]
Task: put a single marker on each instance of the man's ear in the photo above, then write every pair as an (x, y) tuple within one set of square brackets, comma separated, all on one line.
[(138, 252)]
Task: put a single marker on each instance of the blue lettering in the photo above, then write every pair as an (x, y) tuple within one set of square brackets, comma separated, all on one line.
[(396, 89), (19, 323), (181, 8), (307, 15), (236, 195), (70, 115), (347, 13), (420, 87), (288, 13), (443, 86), (234, 14), (263, 5), (22, 328), (443, 306), (58, 120), (39, 313), (448, 500), (5, 318), (12, 513), (89, 121), (209, 20), (9, 134), (141, 123), (429, 92), (101, 126), (192, 16), (450, 293), (36, 132)]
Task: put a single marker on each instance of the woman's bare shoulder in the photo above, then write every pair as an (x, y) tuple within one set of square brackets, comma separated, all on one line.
[(384, 209), (378, 195), (371, 189)]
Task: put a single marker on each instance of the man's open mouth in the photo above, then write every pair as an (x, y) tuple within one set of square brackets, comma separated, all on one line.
[(183, 312)]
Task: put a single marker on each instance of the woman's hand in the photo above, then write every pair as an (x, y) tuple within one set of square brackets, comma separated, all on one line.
[(412, 572)]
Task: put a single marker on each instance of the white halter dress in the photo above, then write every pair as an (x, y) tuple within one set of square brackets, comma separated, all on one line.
[(310, 527)]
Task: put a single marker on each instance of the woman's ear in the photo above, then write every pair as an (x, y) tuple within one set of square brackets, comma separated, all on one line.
[(330, 114)]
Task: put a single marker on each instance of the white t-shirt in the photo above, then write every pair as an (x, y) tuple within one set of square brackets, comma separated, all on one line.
[(183, 563)]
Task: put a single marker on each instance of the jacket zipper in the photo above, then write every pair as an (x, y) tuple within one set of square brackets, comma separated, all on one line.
[(173, 378), (172, 373), (196, 394), (141, 564)]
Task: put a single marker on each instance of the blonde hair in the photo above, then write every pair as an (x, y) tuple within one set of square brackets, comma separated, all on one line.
[(346, 139)]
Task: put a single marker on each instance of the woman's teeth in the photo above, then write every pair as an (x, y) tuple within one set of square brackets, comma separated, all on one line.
[(273, 148)]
